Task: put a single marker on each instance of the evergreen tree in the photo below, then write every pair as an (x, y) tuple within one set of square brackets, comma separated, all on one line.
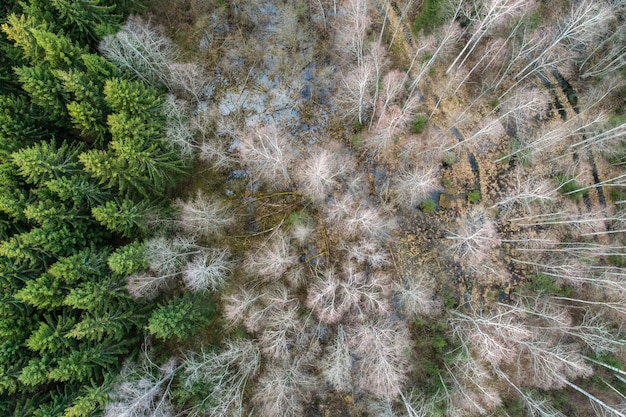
[(45, 90), (95, 295), (80, 189), (85, 362), (111, 323), (36, 372), (133, 97), (134, 168), (16, 126), (180, 317), (45, 161), (14, 195), (44, 293), (50, 213), (50, 336), (91, 398), (129, 259), (83, 20), (18, 29), (86, 264), (57, 52), (121, 216), (88, 20)]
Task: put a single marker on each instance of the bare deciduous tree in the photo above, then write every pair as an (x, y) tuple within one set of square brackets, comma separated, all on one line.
[(415, 295), (472, 390), (143, 389), (494, 336), (329, 297), (203, 217), (146, 285), (323, 171), (486, 15), (608, 56), (355, 100), (551, 364), (391, 123), (474, 238), (207, 270), (528, 189), (187, 80), (352, 28), (166, 256), (268, 153), (382, 348), (281, 329), (374, 291), (214, 143), (337, 363), (267, 306), (354, 218), (226, 372), (141, 50), (536, 405), (416, 185), (272, 259), (283, 389), (522, 107), (178, 134), (367, 251), (238, 304)]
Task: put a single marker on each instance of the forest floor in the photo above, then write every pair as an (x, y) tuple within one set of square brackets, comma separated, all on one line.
[(277, 66)]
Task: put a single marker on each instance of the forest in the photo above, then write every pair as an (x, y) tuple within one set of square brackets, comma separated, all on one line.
[(288, 208)]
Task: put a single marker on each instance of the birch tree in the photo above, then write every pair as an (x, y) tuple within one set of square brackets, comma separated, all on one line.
[(527, 190), (486, 15), (584, 23), (203, 217), (337, 363), (226, 372), (141, 50), (382, 347), (475, 236), (267, 151), (144, 389), (283, 389)]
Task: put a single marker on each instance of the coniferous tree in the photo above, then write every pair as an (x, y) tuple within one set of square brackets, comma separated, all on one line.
[(179, 317), (121, 216)]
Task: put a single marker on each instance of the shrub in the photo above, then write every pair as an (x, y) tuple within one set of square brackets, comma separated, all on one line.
[(449, 158), (617, 195), (542, 283), (428, 206), (418, 124), (569, 186), (431, 16), (474, 197)]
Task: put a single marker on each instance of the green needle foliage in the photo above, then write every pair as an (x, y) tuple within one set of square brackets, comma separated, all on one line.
[(180, 317), (82, 160)]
